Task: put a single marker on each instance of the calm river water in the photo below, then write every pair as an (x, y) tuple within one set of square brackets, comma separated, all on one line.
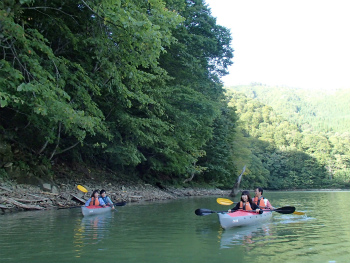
[(166, 232)]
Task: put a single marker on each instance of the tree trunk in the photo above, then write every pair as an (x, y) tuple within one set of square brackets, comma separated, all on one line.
[(235, 188)]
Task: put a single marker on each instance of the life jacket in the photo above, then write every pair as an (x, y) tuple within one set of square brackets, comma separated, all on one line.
[(105, 200), (260, 202), (94, 201), (247, 206)]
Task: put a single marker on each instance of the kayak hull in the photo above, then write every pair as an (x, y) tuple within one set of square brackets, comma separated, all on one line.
[(95, 210), (242, 218)]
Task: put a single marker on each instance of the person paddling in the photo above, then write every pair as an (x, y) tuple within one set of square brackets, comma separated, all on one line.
[(94, 200), (245, 204), (261, 201), (106, 199)]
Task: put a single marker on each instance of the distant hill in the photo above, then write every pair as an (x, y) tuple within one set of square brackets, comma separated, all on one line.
[(310, 110)]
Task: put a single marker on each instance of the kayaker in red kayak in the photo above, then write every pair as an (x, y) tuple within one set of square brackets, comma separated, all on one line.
[(106, 199), (246, 204), (261, 201), (95, 200)]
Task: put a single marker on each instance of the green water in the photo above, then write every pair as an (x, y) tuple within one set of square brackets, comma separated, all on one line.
[(170, 232)]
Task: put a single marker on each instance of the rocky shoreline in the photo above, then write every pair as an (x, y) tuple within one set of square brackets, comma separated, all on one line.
[(16, 197)]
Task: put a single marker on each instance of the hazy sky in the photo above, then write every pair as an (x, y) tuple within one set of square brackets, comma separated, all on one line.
[(297, 43)]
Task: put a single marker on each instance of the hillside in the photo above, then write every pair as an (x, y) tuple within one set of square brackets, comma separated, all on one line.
[(310, 110), (279, 155)]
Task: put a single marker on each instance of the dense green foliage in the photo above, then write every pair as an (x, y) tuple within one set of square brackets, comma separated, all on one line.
[(310, 110), (283, 157), (133, 86)]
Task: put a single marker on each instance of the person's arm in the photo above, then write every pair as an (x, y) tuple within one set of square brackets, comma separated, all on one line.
[(109, 202), (256, 208), (88, 202), (102, 203), (234, 208), (268, 205)]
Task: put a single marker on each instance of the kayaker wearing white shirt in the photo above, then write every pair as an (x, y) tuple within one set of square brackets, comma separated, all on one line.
[(261, 201)]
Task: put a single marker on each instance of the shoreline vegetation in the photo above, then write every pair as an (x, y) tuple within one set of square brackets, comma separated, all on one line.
[(16, 197), (23, 197), (137, 107)]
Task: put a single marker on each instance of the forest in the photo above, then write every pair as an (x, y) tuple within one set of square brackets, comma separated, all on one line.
[(134, 87), (287, 146), (313, 110)]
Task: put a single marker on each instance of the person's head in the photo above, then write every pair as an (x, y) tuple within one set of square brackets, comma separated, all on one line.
[(245, 197), (258, 191), (103, 193), (94, 194)]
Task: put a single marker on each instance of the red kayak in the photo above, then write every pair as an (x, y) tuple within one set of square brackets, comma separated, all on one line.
[(242, 218)]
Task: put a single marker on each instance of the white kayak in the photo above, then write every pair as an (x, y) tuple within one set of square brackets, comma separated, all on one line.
[(95, 210), (242, 218)]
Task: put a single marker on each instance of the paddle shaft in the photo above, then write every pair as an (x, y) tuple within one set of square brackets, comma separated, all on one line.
[(120, 204), (282, 210), (205, 212)]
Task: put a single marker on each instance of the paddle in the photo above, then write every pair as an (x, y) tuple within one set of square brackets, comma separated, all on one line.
[(82, 188), (205, 212), (224, 201), (120, 204), (282, 210)]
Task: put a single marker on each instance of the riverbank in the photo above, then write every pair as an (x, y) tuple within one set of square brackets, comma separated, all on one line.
[(16, 197)]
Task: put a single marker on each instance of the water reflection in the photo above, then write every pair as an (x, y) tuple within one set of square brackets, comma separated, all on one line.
[(244, 235), (170, 232), (91, 230)]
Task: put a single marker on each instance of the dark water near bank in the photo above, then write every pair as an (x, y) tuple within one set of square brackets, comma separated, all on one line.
[(171, 232)]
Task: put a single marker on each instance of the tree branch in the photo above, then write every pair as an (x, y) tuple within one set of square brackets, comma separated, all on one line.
[(58, 140), (67, 149), (47, 7)]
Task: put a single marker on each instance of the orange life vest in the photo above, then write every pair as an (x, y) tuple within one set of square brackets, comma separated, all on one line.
[(94, 201), (247, 206), (260, 203)]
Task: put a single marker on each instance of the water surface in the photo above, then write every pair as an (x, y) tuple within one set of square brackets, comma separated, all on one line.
[(169, 231)]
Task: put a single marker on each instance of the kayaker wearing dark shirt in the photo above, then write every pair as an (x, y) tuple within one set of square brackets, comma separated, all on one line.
[(106, 199), (246, 204)]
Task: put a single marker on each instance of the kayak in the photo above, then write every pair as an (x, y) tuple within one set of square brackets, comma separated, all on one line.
[(95, 210), (242, 218)]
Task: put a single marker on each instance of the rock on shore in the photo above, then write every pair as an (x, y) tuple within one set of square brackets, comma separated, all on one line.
[(21, 197)]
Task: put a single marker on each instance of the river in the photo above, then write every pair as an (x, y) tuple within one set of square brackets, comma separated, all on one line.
[(169, 231)]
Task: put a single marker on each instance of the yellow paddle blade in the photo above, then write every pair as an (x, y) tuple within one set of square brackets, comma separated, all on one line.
[(82, 188), (298, 213), (224, 201)]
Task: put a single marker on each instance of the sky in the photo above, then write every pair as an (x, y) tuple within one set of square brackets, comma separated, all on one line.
[(295, 43)]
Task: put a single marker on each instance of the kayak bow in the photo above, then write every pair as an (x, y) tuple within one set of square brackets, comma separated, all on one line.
[(95, 210), (243, 218)]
